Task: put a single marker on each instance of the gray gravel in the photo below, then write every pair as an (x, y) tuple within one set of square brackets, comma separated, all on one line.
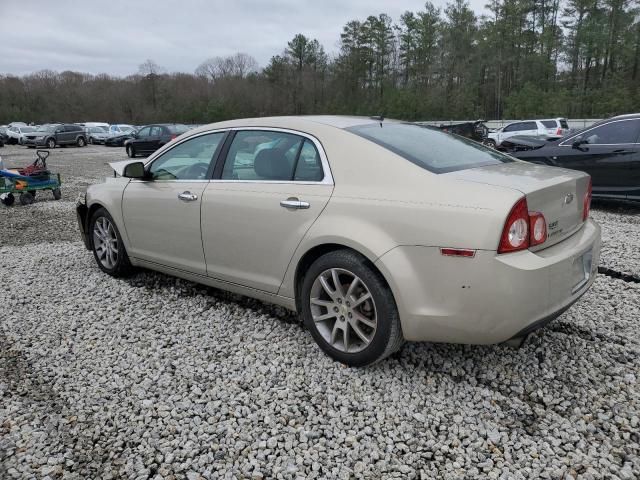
[(154, 377)]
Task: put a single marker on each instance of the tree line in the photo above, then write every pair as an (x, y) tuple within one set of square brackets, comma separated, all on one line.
[(523, 58)]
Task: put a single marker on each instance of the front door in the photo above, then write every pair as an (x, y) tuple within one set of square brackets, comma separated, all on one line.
[(141, 143), (272, 187), (607, 154), (162, 214)]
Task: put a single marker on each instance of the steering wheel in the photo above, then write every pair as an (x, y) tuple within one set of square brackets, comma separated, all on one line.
[(197, 171)]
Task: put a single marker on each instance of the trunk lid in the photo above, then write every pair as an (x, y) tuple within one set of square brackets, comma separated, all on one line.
[(557, 193)]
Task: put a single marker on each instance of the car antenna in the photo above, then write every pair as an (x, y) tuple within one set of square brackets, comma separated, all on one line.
[(380, 118)]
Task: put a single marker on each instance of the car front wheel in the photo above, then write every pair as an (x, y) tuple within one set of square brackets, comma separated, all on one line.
[(130, 151), (107, 246), (350, 310), (51, 143)]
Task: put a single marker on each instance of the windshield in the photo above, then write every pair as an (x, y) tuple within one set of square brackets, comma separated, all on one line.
[(46, 128), (430, 148), (27, 129), (126, 129)]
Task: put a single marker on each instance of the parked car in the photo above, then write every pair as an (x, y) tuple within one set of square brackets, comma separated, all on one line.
[(17, 134), (553, 128), (95, 124), (151, 137), (376, 232), (96, 134), (120, 128), (62, 134), (477, 130), (117, 140), (608, 150)]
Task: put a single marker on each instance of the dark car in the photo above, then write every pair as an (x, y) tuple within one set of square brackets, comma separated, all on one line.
[(118, 140), (53, 134), (4, 138), (608, 150), (151, 137)]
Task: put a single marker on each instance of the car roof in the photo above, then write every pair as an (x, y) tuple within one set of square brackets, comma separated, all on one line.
[(627, 115)]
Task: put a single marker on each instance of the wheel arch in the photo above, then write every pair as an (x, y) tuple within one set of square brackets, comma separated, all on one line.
[(315, 252)]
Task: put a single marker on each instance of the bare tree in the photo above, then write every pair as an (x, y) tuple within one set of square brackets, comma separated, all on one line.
[(234, 66)]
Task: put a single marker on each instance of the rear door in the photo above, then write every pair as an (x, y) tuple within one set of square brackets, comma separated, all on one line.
[(266, 194), (609, 154), (162, 215)]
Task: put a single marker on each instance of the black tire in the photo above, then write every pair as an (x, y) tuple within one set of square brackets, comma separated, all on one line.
[(490, 143), (131, 151), (21, 141), (26, 198), (33, 193), (81, 142), (90, 140), (57, 194), (122, 266), (387, 337), (51, 143), (8, 200)]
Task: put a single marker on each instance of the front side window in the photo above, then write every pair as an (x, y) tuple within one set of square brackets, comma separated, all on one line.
[(514, 127), (430, 148), (613, 133), (189, 160), (272, 156), (144, 132)]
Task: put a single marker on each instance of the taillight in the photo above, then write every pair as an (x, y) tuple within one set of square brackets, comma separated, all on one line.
[(173, 137), (515, 235), (559, 131), (523, 229), (538, 226), (586, 202)]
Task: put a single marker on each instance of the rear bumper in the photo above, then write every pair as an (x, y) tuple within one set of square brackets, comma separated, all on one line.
[(489, 298)]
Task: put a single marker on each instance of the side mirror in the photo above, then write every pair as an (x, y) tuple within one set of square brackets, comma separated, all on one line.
[(134, 170)]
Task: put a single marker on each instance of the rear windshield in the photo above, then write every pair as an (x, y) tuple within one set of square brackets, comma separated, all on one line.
[(430, 148), (178, 129), (563, 123), (549, 123)]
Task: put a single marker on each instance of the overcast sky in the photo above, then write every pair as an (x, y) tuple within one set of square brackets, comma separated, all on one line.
[(116, 36)]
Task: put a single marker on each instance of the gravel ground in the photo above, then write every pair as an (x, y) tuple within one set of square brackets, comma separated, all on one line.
[(154, 377)]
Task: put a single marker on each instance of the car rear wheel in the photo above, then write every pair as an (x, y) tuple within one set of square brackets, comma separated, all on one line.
[(130, 151), (51, 143), (81, 142), (350, 310), (107, 245)]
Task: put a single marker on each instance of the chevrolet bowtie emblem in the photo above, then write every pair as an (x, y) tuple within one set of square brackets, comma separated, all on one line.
[(568, 198)]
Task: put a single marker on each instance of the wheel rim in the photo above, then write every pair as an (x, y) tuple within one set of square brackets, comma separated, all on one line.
[(51, 144), (343, 310), (105, 242)]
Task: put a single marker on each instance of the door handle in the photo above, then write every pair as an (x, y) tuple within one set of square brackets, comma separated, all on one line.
[(622, 150), (187, 196), (294, 203)]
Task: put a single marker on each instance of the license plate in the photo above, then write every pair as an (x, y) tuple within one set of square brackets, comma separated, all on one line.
[(582, 270)]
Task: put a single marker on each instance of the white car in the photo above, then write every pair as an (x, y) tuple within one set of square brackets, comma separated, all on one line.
[(17, 134), (552, 128), (120, 128), (376, 232)]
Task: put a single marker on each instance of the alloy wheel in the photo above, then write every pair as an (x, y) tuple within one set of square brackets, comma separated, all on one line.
[(343, 310), (105, 242)]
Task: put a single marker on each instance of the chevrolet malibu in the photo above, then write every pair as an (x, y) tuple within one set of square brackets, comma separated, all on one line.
[(375, 231)]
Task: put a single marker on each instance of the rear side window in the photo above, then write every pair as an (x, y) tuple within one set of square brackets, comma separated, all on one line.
[(549, 123), (430, 148), (260, 155)]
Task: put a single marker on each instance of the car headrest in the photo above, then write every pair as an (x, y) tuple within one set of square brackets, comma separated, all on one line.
[(271, 164)]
